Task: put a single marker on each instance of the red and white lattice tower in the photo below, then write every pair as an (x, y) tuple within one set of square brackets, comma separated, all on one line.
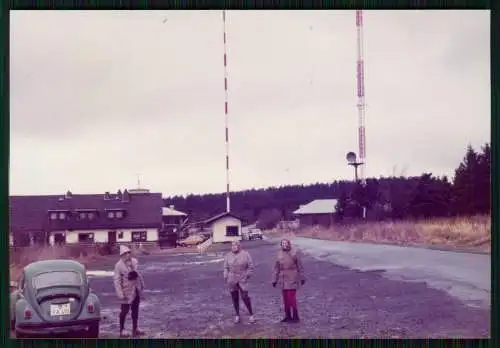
[(361, 94), (226, 115)]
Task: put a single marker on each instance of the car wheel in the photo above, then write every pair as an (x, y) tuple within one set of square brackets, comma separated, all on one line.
[(20, 335), (93, 331)]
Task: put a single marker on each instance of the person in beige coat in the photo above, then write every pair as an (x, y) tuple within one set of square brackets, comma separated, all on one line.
[(289, 275), (129, 285), (238, 267)]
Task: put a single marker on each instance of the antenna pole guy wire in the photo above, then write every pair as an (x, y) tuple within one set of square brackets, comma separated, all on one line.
[(226, 115), (361, 94)]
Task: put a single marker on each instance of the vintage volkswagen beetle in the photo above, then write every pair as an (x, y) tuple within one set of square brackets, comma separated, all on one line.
[(53, 297)]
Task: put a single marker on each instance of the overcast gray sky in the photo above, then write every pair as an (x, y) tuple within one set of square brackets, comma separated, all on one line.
[(99, 97)]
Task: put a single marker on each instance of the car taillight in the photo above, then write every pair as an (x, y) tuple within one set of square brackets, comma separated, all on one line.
[(90, 308), (27, 314)]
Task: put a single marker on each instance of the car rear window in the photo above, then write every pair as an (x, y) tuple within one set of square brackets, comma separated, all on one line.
[(57, 278)]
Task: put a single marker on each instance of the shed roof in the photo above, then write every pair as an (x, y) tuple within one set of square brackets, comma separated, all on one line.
[(318, 206), (220, 216), (166, 211)]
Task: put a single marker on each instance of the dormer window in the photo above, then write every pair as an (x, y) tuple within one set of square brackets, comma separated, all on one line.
[(115, 213), (55, 215), (86, 214)]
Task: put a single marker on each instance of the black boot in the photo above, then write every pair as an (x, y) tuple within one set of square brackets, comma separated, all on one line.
[(295, 316), (287, 317)]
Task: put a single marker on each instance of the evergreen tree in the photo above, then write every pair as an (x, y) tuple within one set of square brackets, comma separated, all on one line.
[(465, 200)]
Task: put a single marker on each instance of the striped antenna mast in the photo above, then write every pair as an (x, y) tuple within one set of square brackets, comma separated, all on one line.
[(226, 115), (360, 72)]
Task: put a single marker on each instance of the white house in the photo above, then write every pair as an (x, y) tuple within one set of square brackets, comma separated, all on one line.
[(126, 235), (225, 227)]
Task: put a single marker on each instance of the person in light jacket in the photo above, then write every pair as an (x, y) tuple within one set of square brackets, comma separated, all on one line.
[(289, 275), (238, 267), (129, 285)]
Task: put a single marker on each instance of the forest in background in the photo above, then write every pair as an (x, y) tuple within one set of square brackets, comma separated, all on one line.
[(396, 198)]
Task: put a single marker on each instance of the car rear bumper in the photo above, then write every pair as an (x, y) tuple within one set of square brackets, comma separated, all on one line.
[(42, 329)]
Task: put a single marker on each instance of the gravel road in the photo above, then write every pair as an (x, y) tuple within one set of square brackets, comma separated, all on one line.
[(186, 298)]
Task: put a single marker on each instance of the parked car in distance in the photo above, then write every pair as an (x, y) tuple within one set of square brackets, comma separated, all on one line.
[(192, 240), (53, 298), (254, 233)]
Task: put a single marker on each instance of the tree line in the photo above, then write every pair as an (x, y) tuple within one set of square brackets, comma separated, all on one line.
[(424, 196)]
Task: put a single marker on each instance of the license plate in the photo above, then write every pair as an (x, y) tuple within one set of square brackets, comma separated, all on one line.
[(58, 310)]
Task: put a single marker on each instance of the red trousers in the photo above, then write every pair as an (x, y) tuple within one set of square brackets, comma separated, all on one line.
[(290, 299)]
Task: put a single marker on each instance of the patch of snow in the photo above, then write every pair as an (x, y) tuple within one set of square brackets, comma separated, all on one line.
[(100, 273), (147, 291), (204, 262)]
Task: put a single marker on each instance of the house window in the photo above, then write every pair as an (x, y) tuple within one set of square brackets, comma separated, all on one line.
[(119, 214), (91, 216), (111, 215), (139, 236), (81, 216), (62, 216), (85, 237), (53, 216), (120, 235), (232, 231)]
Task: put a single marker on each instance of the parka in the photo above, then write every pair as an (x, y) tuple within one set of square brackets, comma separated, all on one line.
[(238, 268), (124, 287), (288, 270)]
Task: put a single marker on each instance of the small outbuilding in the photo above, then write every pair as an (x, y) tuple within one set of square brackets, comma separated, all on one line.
[(318, 212), (225, 227)]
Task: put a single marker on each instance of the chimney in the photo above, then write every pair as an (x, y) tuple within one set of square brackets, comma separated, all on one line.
[(68, 194), (107, 195), (126, 196)]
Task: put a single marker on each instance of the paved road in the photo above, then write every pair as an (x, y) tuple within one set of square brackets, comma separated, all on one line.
[(186, 297), (463, 275)]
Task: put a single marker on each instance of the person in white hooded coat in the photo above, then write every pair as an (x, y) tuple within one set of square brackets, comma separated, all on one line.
[(129, 285)]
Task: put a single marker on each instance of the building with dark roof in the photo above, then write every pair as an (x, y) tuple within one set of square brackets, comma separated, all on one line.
[(318, 212), (128, 216)]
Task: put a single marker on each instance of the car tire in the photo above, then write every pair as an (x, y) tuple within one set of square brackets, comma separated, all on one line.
[(20, 335), (93, 331)]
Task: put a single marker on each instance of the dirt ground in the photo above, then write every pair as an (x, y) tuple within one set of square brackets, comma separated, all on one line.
[(186, 298)]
